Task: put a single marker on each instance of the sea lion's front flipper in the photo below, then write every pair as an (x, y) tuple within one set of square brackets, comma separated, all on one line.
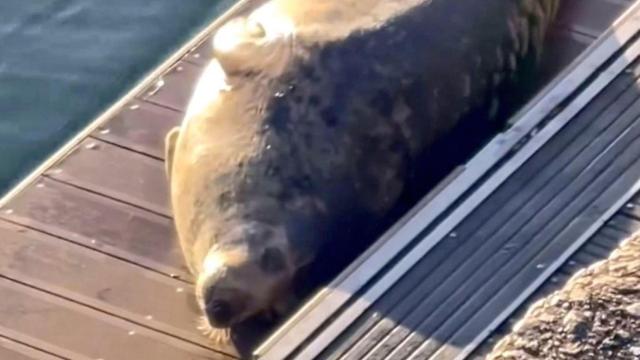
[(169, 148), (284, 305)]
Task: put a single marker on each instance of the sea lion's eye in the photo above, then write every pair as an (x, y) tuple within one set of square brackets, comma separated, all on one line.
[(258, 236), (272, 260)]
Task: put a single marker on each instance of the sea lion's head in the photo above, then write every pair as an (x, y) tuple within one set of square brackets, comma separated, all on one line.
[(232, 228), (248, 271), (243, 240)]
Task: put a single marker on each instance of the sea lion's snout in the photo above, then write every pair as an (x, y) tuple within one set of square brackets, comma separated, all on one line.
[(224, 308), (220, 312), (245, 275)]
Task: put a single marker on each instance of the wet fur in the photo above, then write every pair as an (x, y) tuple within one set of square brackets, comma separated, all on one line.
[(354, 128)]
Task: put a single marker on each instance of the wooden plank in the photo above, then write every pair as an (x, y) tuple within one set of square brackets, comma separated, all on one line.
[(202, 54), (175, 87), (117, 173), (12, 350), (100, 223), (100, 281), (395, 305), (37, 343), (87, 332), (590, 17), (141, 126)]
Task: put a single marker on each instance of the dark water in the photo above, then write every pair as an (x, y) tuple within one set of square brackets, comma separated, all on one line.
[(62, 62)]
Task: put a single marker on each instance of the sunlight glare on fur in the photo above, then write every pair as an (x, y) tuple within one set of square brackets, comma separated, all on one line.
[(213, 263)]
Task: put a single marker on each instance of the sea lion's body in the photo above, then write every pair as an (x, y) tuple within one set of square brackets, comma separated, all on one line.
[(317, 114)]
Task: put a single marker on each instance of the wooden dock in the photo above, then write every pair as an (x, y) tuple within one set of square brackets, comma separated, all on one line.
[(89, 267)]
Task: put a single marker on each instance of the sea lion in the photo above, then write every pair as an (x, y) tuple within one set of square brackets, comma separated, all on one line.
[(315, 115)]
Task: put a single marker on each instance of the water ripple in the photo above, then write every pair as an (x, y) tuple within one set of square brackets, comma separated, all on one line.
[(63, 61)]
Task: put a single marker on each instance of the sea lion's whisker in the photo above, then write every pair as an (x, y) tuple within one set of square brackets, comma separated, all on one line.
[(218, 336)]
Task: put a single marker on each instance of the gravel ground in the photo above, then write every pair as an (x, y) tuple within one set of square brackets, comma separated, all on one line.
[(596, 315)]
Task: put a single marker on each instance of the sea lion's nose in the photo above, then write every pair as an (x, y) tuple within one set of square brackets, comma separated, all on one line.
[(220, 312)]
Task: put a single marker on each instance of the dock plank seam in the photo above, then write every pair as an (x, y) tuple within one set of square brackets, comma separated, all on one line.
[(107, 196), (124, 147), (47, 355), (105, 309), (39, 345), (126, 259)]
